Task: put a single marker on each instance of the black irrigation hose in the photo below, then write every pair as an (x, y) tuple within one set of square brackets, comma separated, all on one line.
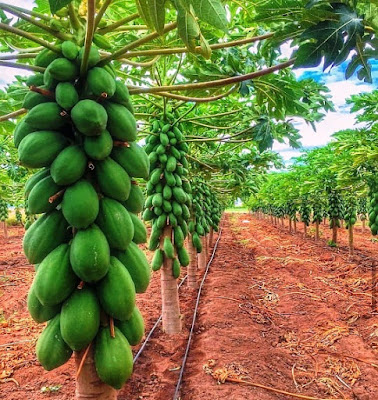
[(153, 328), (175, 396)]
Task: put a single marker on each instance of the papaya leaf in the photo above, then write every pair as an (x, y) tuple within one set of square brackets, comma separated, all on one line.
[(187, 26), (212, 12), (56, 5), (157, 14), (144, 12)]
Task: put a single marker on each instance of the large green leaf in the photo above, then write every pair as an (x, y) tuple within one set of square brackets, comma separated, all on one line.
[(211, 11)]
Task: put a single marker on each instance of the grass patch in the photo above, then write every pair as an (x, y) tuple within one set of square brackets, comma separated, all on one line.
[(236, 210)]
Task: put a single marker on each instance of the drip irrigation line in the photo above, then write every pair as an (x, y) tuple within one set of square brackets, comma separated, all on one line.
[(175, 396), (153, 328)]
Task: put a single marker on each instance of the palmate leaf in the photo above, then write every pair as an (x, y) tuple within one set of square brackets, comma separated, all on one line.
[(212, 12), (331, 39), (187, 26), (153, 13)]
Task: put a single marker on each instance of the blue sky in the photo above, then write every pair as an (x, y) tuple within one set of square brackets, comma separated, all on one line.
[(340, 90)]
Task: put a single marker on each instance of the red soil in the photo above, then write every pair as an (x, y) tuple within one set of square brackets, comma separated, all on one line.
[(277, 309)]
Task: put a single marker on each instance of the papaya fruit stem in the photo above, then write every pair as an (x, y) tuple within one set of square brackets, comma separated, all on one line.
[(212, 84), (102, 97), (27, 35), (81, 285), (91, 9), (119, 143), (21, 66), (111, 327), (56, 196), (13, 114), (18, 56), (19, 14), (42, 91), (134, 183), (83, 360), (91, 166)]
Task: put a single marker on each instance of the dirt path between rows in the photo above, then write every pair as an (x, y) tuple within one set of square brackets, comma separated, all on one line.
[(275, 309)]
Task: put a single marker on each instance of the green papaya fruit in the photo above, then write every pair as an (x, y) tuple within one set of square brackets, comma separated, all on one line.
[(133, 328), (140, 231), (134, 259), (22, 129), (155, 176), (34, 179), (66, 95), (122, 96), (99, 81), (196, 241), (172, 219), (70, 50), (80, 205), (69, 166), (45, 57), (32, 99), (101, 42), (55, 279), (183, 256), (135, 201), (116, 291), (48, 81), (94, 56), (98, 147), (169, 250), (171, 164), (80, 318), (37, 310), (39, 149), (116, 223), (178, 236), (38, 200), (52, 351), (161, 221), (46, 116), (167, 206), (62, 69), (133, 159), (179, 195), (113, 358), (35, 80), (89, 117), (113, 180), (164, 139), (177, 209), (157, 200), (157, 260), (90, 254), (121, 122), (176, 268), (170, 179), (148, 215), (154, 238), (44, 235)]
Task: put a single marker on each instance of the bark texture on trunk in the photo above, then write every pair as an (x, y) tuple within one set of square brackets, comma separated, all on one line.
[(193, 265), (304, 229), (295, 225), (211, 237), (363, 226), (88, 384), (334, 231), (5, 230), (350, 237), (169, 293), (290, 225), (317, 230), (202, 256)]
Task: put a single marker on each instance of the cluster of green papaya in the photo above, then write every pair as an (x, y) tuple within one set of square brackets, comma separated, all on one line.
[(350, 212), (305, 211), (3, 210), (373, 208), (317, 212), (80, 131), (168, 191), (202, 212), (18, 216), (29, 218), (335, 208), (216, 210)]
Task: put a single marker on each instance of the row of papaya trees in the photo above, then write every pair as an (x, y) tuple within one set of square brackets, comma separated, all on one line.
[(118, 121)]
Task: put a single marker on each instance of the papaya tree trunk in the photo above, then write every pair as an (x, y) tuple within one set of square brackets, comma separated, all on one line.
[(316, 230), (350, 237), (334, 231), (271, 219), (5, 230), (193, 265), (295, 225), (363, 226), (342, 224), (304, 229), (283, 222), (324, 221), (211, 237), (202, 255), (169, 293), (88, 384), (290, 225)]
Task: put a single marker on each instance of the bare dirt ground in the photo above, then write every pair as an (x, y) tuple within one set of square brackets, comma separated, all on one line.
[(277, 309)]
